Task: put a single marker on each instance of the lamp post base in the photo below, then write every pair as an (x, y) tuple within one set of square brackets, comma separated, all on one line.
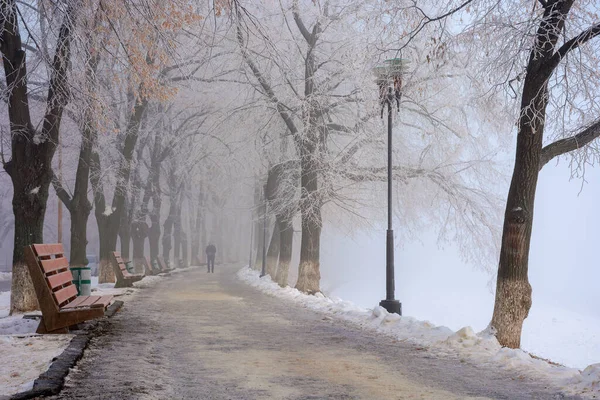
[(392, 306)]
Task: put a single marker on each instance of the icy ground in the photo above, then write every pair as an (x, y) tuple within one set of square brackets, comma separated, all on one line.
[(211, 336), (481, 347)]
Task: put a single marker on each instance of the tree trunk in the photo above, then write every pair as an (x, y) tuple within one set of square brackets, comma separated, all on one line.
[(177, 236), (184, 248), (108, 242), (309, 275), (286, 234), (139, 233), (125, 237), (195, 255), (29, 210), (273, 252), (154, 235), (168, 230), (513, 291)]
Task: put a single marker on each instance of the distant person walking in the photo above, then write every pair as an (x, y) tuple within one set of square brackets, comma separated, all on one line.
[(211, 251)]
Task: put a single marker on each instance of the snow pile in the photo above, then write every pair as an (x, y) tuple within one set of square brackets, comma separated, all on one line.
[(5, 276), (25, 358), (147, 281), (481, 348)]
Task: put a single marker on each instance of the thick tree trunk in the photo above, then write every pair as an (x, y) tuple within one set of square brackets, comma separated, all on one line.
[(273, 252), (125, 238), (79, 219), (184, 248), (513, 291), (108, 243), (195, 246), (168, 230), (139, 233), (154, 236), (177, 236), (29, 208), (286, 245), (309, 274)]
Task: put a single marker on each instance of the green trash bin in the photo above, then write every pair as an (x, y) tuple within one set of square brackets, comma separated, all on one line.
[(129, 267), (82, 279)]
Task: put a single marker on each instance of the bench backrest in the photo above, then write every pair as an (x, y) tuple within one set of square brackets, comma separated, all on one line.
[(120, 263), (54, 268)]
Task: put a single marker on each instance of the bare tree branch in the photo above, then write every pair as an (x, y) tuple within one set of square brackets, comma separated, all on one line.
[(566, 145)]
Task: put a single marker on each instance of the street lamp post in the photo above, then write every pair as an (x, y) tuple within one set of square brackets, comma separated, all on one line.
[(389, 80), (264, 249)]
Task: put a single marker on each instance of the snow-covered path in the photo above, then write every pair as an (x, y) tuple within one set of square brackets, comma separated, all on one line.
[(201, 336)]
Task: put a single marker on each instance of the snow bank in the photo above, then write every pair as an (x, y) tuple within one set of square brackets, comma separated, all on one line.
[(482, 348), (25, 358), (148, 281), (25, 355)]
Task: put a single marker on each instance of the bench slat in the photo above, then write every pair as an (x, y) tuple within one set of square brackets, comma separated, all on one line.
[(54, 264), (75, 303), (43, 250), (89, 301), (103, 301), (65, 294), (60, 279)]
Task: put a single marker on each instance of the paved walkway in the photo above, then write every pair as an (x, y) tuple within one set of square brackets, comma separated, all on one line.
[(209, 336)]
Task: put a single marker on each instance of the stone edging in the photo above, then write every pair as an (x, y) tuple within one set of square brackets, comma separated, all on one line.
[(51, 382)]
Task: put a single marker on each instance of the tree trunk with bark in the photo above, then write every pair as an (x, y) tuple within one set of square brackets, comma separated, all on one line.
[(309, 274), (139, 233), (125, 233), (513, 290), (286, 234), (273, 252)]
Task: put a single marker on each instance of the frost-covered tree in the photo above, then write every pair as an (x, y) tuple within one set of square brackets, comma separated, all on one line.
[(548, 65), (312, 65)]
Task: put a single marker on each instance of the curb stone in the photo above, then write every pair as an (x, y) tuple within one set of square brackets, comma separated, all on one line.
[(52, 381)]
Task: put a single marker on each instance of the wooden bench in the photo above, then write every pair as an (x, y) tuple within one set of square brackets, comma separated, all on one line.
[(124, 278), (56, 293)]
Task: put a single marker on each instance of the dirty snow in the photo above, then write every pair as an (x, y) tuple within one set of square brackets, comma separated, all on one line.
[(479, 347), (24, 358)]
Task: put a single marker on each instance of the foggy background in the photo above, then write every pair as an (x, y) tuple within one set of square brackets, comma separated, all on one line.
[(434, 284)]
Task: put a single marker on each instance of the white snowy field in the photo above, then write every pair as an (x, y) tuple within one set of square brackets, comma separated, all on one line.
[(481, 348)]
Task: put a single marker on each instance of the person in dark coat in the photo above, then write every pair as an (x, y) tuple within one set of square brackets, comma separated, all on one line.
[(211, 251)]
